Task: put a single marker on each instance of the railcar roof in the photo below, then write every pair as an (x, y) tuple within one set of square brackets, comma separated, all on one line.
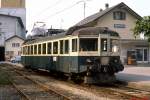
[(76, 32), (40, 39), (95, 31)]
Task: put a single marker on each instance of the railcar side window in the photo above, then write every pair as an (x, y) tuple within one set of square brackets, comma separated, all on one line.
[(55, 48), (44, 48), (61, 46), (35, 49), (31, 49), (66, 46), (23, 50), (39, 48), (114, 45), (28, 50), (104, 44), (49, 47), (74, 45), (90, 44)]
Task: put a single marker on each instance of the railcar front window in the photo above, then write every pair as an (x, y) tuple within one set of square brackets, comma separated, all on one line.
[(104, 44), (88, 44), (114, 45)]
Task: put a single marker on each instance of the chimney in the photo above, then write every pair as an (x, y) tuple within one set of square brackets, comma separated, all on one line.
[(101, 10), (106, 5)]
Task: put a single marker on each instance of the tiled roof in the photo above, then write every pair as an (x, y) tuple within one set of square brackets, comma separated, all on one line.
[(102, 13), (13, 37)]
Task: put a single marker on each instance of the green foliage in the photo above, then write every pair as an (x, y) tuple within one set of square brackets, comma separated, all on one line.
[(143, 26)]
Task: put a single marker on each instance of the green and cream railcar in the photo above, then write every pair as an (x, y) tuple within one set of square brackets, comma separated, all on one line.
[(91, 52)]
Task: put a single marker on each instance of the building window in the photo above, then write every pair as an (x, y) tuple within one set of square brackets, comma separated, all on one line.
[(119, 26), (15, 45), (119, 15)]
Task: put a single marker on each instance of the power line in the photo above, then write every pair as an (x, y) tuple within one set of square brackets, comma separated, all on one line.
[(58, 12), (47, 8)]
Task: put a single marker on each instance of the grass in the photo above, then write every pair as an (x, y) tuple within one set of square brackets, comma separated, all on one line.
[(4, 78)]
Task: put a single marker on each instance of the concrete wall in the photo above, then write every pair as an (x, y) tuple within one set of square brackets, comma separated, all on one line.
[(20, 12)]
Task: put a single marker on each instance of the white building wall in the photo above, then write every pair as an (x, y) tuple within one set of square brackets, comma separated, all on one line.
[(9, 27), (8, 45), (20, 12), (2, 39), (108, 21)]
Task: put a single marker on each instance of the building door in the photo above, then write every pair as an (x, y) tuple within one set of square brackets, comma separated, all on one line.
[(142, 55)]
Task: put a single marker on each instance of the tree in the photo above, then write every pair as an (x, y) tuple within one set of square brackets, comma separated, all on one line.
[(143, 26)]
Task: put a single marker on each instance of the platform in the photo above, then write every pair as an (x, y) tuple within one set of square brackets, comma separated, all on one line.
[(136, 76)]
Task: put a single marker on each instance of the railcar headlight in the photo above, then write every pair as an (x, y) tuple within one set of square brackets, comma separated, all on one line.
[(105, 60), (116, 60)]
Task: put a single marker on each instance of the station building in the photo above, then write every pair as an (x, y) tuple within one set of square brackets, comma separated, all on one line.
[(122, 19)]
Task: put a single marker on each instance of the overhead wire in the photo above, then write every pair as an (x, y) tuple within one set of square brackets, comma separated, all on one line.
[(58, 12), (47, 8)]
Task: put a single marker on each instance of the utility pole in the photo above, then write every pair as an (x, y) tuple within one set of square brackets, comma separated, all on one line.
[(84, 5)]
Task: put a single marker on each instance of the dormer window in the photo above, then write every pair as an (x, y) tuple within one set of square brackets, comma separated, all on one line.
[(119, 15)]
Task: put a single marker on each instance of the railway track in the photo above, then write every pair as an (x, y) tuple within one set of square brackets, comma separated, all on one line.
[(116, 90), (31, 89), (131, 91), (122, 91), (20, 92)]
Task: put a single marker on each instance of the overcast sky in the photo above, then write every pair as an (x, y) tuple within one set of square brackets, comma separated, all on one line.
[(66, 13)]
